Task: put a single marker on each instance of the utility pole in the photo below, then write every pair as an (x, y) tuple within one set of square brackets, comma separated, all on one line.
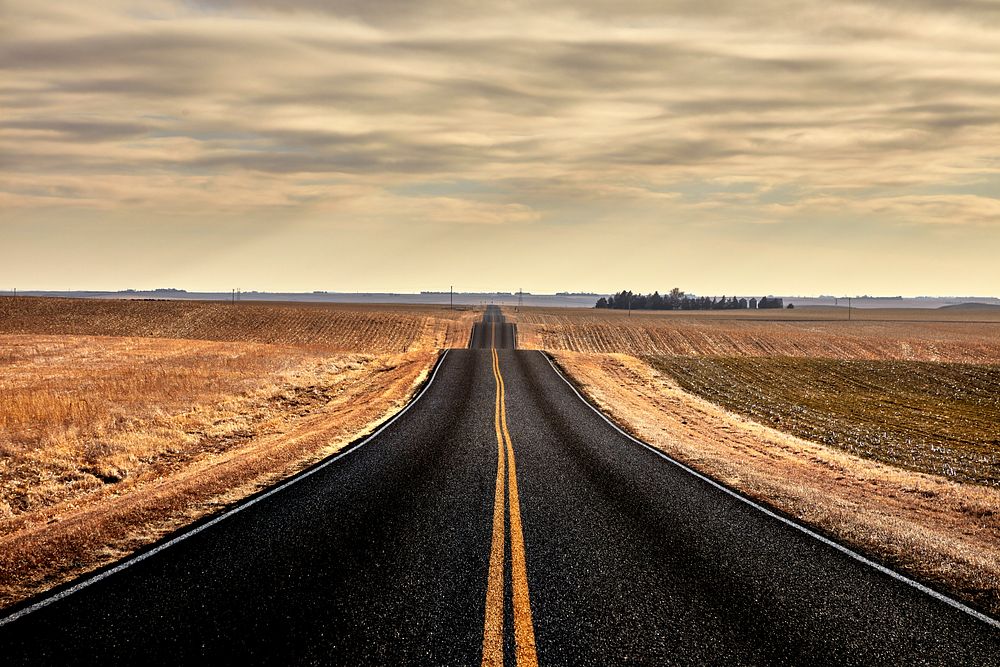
[(520, 299), (848, 309), (630, 304), (451, 296)]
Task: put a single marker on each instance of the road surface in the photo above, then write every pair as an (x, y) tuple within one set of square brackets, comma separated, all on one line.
[(499, 519)]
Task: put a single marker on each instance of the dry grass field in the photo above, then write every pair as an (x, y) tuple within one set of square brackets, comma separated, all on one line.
[(161, 412), (937, 418), (82, 412), (881, 432)]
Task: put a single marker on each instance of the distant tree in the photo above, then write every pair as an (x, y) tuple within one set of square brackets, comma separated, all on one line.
[(791, 305), (675, 299), (655, 302), (624, 300)]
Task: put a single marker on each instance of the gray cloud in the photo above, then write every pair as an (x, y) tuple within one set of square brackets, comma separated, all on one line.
[(156, 50), (79, 130), (605, 97)]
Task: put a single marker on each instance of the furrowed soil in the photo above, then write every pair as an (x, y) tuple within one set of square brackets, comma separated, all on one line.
[(937, 418), (378, 329), (123, 421), (880, 432), (956, 335)]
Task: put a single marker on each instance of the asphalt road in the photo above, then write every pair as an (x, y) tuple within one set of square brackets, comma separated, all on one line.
[(500, 516), (493, 332)]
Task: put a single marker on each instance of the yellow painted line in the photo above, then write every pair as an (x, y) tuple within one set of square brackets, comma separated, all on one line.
[(493, 624), (524, 631), (524, 627)]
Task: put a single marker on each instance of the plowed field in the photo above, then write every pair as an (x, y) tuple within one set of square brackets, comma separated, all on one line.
[(937, 418), (952, 338), (388, 329)]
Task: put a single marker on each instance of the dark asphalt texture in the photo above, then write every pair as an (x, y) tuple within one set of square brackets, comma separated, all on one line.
[(493, 331), (381, 559)]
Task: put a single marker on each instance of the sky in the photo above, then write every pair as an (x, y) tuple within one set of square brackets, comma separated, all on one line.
[(777, 146)]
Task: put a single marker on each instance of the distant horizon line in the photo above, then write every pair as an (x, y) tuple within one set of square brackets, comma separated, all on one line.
[(439, 293)]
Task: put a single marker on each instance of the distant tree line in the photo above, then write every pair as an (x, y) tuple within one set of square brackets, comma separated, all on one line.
[(675, 299)]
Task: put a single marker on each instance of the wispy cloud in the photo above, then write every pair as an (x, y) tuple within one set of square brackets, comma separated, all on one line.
[(569, 110)]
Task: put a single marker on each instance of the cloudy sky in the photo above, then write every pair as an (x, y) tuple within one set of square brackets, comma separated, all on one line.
[(792, 146)]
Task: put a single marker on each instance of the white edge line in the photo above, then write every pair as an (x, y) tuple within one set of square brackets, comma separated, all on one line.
[(825, 540), (239, 508)]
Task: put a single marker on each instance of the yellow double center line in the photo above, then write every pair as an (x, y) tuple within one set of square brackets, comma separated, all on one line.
[(524, 631)]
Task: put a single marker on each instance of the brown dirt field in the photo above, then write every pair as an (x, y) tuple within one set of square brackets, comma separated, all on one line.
[(930, 417), (957, 336), (379, 329), (109, 442), (933, 529)]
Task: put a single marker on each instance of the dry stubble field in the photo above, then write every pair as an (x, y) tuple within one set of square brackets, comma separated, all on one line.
[(123, 420), (882, 432)]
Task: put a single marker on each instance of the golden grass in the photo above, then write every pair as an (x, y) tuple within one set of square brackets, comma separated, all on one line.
[(883, 334), (112, 434), (934, 529), (77, 413)]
